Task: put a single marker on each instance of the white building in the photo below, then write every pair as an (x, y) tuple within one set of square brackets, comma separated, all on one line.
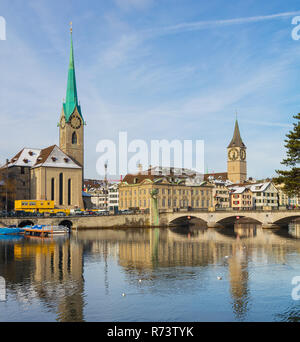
[(113, 197), (264, 195)]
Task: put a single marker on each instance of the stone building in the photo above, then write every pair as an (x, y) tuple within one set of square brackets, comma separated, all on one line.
[(54, 173), (174, 192), (236, 162)]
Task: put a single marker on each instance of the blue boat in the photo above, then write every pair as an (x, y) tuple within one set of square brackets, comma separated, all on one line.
[(11, 231)]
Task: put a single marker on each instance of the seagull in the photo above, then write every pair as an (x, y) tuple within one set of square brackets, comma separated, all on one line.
[(219, 278), (140, 280), (123, 294)]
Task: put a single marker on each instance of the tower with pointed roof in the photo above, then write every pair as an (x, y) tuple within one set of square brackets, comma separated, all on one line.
[(236, 159), (71, 125)]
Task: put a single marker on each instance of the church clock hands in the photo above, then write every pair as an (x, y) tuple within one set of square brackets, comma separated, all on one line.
[(75, 122), (233, 154), (243, 154)]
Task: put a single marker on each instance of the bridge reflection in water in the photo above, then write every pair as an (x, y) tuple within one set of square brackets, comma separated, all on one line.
[(51, 271)]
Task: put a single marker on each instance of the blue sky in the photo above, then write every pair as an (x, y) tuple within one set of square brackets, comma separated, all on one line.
[(158, 69)]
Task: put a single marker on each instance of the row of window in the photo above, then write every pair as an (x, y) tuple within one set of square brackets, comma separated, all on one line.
[(166, 191), (264, 201), (165, 202), (242, 196), (243, 202), (61, 190), (266, 194)]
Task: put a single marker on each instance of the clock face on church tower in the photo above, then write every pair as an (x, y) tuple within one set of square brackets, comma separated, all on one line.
[(233, 154), (63, 122), (75, 122), (243, 154)]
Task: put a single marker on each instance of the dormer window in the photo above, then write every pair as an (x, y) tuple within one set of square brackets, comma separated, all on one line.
[(30, 153), (54, 159), (66, 160), (25, 161)]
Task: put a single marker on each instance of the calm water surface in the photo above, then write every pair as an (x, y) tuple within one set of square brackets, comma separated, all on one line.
[(166, 274)]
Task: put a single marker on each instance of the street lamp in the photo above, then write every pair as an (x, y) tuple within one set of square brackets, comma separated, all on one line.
[(6, 199)]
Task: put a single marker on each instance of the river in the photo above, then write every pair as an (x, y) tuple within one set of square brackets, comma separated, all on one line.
[(240, 273)]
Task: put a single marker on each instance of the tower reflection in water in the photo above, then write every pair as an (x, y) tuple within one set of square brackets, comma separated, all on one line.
[(52, 270)]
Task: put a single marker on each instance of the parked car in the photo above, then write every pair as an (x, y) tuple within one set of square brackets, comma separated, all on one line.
[(61, 213)]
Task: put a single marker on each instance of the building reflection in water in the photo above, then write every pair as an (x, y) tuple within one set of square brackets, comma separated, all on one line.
[(48, 269), (294, 229), (52, 270)]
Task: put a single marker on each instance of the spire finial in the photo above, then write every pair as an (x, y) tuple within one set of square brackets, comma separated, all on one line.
[(71, 27), (236, 114)]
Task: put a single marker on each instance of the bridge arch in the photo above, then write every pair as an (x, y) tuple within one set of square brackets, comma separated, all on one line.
[(25, 223), (232, 219), (66, 223), (188, 220), (287, 220)]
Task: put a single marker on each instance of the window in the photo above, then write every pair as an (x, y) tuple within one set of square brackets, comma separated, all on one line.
[(69, 192), (52, 189), (22, 170), (61, 185), (74, 138)]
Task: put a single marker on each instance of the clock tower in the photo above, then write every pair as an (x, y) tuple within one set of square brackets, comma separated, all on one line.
[(71, 125), (236, 158)]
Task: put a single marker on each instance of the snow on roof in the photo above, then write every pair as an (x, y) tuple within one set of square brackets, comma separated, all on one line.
[(51, 156), (260, 187), (26, 157), (57, 158), (238, 189)]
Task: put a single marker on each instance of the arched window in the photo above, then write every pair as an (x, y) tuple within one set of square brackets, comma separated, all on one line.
[(74, 138), (69, 191), (61, 187), (52, 189)]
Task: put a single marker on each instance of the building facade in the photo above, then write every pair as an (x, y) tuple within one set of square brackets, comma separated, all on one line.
[(113, 197), (241, 198), (173, 193), (221, 195), (264, 195)]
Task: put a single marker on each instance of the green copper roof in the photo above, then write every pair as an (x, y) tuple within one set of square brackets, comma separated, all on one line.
[(71, 98)]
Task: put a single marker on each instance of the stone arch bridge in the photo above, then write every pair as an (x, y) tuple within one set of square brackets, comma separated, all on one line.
[(268, 219), (215, 219)]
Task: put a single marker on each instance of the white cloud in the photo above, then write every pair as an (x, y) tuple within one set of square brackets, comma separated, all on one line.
[(200, 25)]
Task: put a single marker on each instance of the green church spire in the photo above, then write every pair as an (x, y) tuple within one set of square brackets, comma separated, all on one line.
[(71, 98)]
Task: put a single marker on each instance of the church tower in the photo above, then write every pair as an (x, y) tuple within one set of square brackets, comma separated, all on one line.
[(71, 126), (236, 160)]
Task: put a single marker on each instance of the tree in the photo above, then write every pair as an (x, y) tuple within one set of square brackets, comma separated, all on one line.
[(291, 178)]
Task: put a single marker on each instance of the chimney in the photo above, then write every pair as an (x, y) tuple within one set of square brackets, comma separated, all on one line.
[(140, 168)]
